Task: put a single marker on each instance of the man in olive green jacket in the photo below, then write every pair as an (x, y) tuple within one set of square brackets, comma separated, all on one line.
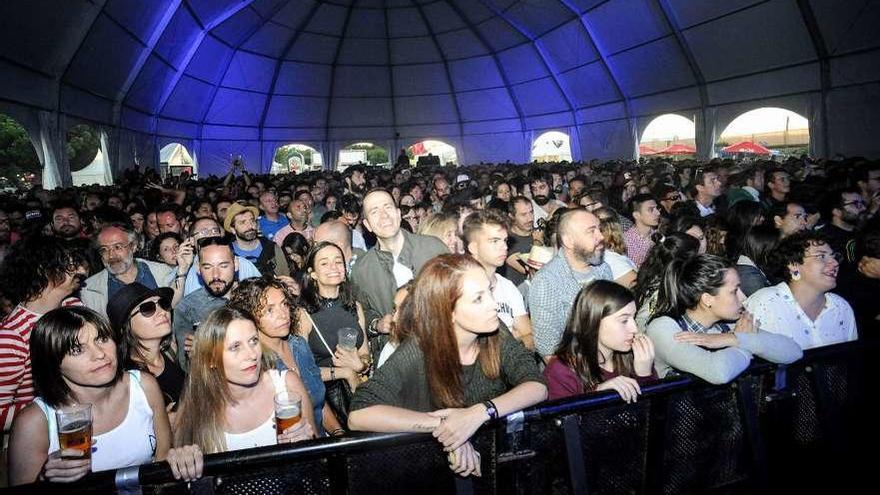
[(396, 258)]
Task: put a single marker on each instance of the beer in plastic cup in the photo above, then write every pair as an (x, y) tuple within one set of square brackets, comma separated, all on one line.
[(75, 428), (288, 411)]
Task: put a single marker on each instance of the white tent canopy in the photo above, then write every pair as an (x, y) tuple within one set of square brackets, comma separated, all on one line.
[(226, 77)]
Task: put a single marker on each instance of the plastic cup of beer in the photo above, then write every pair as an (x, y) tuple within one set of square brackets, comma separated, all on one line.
[(288, 411), (75, 429), (348, 338)]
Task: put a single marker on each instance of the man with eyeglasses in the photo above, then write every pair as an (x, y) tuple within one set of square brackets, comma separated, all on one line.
[(116, 244), (845, 211), (667, 197)]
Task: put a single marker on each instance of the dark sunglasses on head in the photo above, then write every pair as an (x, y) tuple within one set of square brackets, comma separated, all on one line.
[(212, 241), (148, 308)]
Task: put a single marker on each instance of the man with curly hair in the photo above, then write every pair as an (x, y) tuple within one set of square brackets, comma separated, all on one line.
[(37, 277)]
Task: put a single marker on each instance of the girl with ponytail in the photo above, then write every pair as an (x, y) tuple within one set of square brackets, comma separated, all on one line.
[(703, 328)]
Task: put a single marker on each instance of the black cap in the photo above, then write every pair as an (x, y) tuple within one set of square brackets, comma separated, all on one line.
[(127, 298)]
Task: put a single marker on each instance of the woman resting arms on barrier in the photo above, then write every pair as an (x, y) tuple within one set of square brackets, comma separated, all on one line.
[(229, 399), (76, 359), (601, 348), (267, 301), (697, 296), (456, 371)]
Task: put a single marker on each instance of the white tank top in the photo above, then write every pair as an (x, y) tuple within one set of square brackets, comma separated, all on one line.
[(264, 434), (131, 443)]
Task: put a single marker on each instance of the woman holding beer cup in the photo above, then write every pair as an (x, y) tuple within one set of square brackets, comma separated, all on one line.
[(234, 395), (268, 302), (76, 425)]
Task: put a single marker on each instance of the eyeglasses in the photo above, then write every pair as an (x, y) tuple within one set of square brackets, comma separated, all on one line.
[(857, 203), (148, 309), (826, 257), (114, 248), (672, 197)]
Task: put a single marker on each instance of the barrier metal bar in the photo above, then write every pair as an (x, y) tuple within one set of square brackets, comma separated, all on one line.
[(336, 449)]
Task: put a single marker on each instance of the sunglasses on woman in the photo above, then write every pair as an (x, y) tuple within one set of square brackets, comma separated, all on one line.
[(148, 308)]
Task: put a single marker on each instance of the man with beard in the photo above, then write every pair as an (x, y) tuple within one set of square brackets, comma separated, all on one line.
[(521, 218), (846, 209), (217, 267), (543, 202), (67, 226), (356, 180), (188, 260), (578, 262), (116, 244), (249, 244)]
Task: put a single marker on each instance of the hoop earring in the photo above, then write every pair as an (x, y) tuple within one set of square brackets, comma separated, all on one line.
[(795, 275)]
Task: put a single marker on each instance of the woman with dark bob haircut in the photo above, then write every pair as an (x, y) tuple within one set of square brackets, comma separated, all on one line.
[(601, 348), (77, 359), (802, 306), (698, 297)]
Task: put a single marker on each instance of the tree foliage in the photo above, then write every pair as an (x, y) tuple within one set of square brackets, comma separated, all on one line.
[(17, 154), (82, 146), (375, 154)]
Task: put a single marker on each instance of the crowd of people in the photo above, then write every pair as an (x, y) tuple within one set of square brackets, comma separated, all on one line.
[(426, 299)]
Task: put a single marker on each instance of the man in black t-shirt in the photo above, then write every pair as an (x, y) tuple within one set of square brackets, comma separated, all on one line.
[(521, 216)]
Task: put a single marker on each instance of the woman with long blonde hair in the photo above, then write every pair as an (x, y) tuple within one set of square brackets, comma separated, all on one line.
[(228, 401), (443, 226)]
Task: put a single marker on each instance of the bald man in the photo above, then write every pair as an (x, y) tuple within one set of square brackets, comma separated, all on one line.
[(579, 261)]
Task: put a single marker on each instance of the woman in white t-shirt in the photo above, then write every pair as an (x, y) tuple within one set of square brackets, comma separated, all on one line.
[(228, 402), (802, 307), (76, 358), (623, 270)]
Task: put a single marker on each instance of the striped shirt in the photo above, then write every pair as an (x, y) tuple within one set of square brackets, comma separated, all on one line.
[(16, 382)]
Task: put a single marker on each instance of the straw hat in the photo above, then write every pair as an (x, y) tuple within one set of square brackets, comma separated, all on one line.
[(537, 257), (235, 209)]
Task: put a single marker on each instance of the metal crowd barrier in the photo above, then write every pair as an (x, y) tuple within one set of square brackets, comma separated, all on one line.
[(804, 427)]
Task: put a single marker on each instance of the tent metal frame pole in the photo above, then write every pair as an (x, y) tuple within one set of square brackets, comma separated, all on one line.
[(822, 53), (697, 73), (284, 53), (460, 150), (396, 133), (335, 159)]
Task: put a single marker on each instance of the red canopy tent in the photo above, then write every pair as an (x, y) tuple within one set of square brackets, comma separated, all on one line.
[(747, 147), (678, 149), (646, 150)]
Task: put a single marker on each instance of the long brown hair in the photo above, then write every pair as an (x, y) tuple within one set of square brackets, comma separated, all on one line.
[(579, 348), (202, 413), (427, 316)]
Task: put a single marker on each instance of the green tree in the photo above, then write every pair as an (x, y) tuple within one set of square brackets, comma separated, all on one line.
[(82, 147), (17, 154)]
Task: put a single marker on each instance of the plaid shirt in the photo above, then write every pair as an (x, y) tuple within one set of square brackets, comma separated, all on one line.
[(551, 296), (688, 324), (637, 247)]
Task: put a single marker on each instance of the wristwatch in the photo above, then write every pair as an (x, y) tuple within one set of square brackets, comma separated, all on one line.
[(491, 410)]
